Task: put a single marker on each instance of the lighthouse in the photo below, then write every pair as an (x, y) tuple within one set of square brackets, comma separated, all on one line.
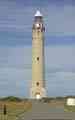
[(38, 71)]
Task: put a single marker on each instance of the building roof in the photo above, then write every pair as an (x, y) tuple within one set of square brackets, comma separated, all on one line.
[(38, 14)]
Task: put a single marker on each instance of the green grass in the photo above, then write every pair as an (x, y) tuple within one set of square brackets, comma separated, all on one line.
[(69, 108)]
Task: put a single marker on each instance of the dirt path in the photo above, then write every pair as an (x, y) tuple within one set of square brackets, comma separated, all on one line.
[(43, 111)]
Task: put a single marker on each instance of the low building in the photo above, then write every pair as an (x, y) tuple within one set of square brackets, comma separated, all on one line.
[(70, 101)]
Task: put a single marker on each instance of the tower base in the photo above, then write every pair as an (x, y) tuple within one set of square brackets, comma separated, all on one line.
[(37, 93)]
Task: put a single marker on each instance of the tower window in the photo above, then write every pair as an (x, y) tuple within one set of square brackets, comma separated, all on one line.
[(37, 83), (37, 58)]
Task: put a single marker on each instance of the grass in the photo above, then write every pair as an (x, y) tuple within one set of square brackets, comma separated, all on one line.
[(69, 108), (17, 107), (14, 109)]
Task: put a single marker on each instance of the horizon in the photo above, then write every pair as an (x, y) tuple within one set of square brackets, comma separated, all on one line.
[(16, 20)]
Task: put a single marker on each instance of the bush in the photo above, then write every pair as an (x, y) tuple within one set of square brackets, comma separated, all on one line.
[(11, 98)]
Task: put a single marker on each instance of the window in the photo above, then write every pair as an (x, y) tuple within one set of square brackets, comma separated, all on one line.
[(37, 58), (37, 83)]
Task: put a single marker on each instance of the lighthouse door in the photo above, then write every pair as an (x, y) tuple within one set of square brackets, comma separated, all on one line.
[(38, 96)]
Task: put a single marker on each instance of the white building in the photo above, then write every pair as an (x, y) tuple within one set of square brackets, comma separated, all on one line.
[(71, 101)]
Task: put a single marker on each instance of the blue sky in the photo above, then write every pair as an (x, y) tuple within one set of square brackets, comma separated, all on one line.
[(16, 19)]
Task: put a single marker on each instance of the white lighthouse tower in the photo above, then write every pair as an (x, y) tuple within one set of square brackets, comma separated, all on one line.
[(38, 79)]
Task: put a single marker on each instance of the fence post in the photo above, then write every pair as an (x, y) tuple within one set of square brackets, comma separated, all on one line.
[(5, 111)]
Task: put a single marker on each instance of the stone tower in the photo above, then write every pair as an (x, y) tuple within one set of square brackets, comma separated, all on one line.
[(38, 79)]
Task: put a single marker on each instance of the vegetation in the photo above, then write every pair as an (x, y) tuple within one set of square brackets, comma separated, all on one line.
[(15, 107), (11, 98), (12, 108), (49, 99), (69, 108)]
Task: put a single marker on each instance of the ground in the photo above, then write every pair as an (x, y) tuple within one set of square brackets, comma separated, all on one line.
[(14, 109), (36, 110)]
